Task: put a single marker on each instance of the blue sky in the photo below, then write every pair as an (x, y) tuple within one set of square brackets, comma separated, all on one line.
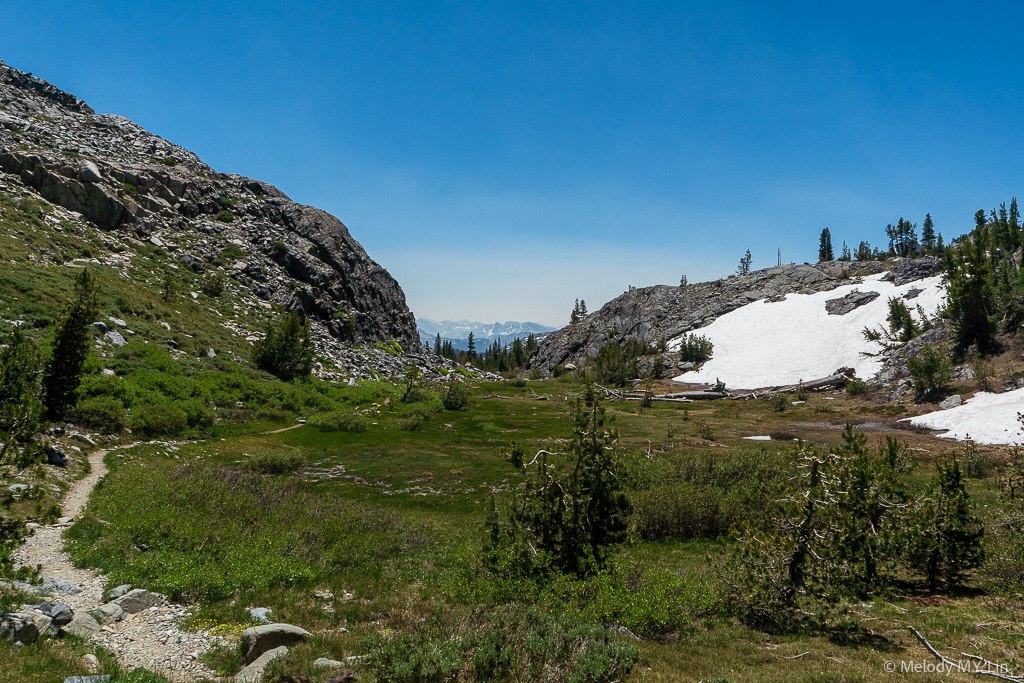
[(503, 159)]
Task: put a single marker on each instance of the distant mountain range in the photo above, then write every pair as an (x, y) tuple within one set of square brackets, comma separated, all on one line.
[(458, 331)]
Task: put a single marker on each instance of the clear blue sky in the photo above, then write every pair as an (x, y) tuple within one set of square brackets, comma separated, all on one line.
[(503, 159)]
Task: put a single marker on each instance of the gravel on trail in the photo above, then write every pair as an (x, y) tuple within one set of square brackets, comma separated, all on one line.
[(150, 638)]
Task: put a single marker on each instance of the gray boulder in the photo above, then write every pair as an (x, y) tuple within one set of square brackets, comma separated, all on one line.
[(115, 338), (909, 270), (845, 304), (117, 592), (89, 173), (260, 639), (81, 626), (107, 613), (952, 402), (253, 673), (261, 615), (44, 624), (99, 326), (55, 586), (137, 600), (325, 663), (59, 612), (86, 679), (83, 439), (18, 627)]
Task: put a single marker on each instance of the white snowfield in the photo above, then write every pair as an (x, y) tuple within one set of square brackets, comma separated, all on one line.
[(985, 418), (767, 344)]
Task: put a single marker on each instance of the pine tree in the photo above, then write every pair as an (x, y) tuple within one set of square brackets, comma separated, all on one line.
[(470, 347), (287, 349), (846, 252), (744, 267), (864, 251), (574, 317), (902, 237), (572, 509), (683, 281), (948, 534), (63, 372), (971, 304), (825, 246), (583, 309), (437, 344), (928, 234), (531, 344), (20, 392)]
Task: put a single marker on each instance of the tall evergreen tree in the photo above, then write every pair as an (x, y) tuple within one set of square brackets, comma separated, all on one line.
[(20, 392), (583, 309), (63, 371), (928, 233), (437, 344), (471, 347), (825, 246), (902, 237), (971, 305), (745, 261)]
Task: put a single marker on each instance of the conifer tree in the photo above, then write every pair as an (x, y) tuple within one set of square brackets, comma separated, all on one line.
[(948, 534), (572, 509), (470, 347), (20, 392), (63, 371), (583, 309), (845, 256), (574, 317), (928, 234), (437, 344), (744, 267), (902, 237), (287, 349), (825, 246), (971, 304)]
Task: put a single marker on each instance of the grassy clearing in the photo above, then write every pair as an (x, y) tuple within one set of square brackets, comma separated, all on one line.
[(387, 521)]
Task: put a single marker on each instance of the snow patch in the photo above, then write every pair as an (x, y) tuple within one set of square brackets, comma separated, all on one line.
[(985, 418), (765, 344)]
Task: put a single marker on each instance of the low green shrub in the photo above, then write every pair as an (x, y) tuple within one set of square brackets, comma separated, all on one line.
[(518, 382), (695, 348), (275, 462), (103, 413), (855, 387), (338, 421), (158, 419), (509, 643), (456, 395), (931, 371), (225, 216), (682, 510)]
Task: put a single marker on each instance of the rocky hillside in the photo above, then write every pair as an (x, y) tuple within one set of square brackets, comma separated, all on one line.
[(105, 172), (651, 313)]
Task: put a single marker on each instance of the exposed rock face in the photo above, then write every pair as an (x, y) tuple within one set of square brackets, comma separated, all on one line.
[(125, 179), (650, 313), (845, 304), (908, 270)]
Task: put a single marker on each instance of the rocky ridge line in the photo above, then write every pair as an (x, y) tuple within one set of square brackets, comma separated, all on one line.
[(135, 185)]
